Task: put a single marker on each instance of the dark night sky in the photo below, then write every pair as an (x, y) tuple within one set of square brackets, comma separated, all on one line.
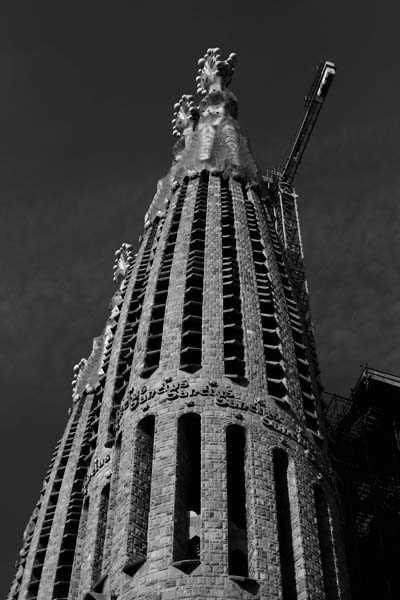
[(87, 90)]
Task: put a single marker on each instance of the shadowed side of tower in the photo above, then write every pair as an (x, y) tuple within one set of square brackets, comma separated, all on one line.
[(195, 464)]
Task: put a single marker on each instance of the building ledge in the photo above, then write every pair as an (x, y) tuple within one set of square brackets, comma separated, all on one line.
[(133, 565), (250, 585), (187, 566)]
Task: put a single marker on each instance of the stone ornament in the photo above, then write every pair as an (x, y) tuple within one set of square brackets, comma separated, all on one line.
[(78, 372), (123, 260), (214, 72), (209, 136), (186, 115)]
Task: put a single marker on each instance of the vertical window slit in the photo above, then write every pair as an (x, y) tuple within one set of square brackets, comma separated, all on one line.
[(79, 556), (284, 525), (100, 534), (274, 367), (236, 484), (193, 300), (299, 337), (41, 550), (70, 535), (232, 306), (156, 326), (186, 545), (140, 495), (112, 503), (327, 552), (129, 334)]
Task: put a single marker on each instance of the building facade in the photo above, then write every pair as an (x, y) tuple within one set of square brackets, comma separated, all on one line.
[(195, 461)]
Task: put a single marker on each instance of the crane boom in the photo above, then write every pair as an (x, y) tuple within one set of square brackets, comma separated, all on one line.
[(284, 200), (313, 103)]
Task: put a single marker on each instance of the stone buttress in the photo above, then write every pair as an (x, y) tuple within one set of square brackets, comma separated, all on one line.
[(195, 463)]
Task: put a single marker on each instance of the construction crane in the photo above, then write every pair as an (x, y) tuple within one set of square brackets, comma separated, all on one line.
[(314, 100), (284, 205)]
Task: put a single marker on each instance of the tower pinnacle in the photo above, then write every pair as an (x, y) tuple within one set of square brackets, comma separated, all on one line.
[(210, 137), (215, 74)]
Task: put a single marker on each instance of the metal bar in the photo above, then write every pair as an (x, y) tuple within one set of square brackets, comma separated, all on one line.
[(314, 100)]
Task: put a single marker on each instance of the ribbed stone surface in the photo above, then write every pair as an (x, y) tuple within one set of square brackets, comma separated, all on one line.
[(169, 392), (211, 318)]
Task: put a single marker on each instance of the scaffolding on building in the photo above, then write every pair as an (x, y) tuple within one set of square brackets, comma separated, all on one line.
[(365, 437), (364, 432)]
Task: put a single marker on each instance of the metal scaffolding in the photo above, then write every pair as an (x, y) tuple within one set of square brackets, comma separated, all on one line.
[(364, 431)]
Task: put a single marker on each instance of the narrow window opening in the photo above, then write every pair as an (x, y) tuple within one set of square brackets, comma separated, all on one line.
[(236, 484), (191, 344), (326, 544), (80, 545), (284, 525), (235, 366), (75, 506), (274, 369), (141, 491), (186, 551), (277, 389), (101, 534), (153, 345), (308, 404), (312, 423), (34, 583), (112, 504), (129, 334)]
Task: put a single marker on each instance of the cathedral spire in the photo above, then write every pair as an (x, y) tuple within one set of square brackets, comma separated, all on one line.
[(195, 462)]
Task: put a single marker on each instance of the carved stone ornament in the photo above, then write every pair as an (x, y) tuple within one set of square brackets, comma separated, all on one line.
[(123, 260), (78, 369), (186, 115), (214, 73), (210, 137)]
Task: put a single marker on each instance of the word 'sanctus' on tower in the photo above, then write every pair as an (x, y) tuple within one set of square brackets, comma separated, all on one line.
[(195, 463)]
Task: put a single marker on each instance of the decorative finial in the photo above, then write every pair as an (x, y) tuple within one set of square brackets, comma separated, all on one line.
[(186, 114), (214, 72), (123, 260), (78, 368), (207, 136)]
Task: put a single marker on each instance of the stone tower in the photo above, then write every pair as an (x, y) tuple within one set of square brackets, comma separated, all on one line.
[(194, 463)]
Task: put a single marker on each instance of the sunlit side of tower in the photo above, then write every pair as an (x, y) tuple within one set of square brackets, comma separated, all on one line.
[(194, 463)]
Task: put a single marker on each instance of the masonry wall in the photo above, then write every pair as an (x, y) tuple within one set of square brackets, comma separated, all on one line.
[(249, 323)]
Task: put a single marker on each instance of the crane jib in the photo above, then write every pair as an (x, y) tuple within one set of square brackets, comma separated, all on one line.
[(322, 81)]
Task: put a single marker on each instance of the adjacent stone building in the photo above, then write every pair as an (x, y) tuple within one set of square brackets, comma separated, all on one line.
[(195, 462)]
